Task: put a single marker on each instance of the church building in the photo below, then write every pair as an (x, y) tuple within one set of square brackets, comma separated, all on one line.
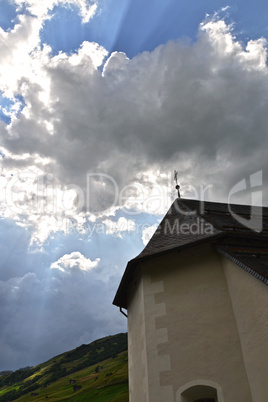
[(197, 306)]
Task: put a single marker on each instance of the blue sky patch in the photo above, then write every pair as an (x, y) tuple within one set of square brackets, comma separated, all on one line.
[(65, 31), (6, 107), (8, 15), (134, 26)]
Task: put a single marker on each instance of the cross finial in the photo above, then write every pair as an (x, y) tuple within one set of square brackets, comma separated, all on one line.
[(176, 180), (176, 176), (178, 188)]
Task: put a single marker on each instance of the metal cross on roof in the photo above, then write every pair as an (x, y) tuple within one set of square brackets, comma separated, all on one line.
[(176, 180)]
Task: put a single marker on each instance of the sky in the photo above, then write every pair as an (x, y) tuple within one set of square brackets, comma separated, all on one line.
[(100, 101)]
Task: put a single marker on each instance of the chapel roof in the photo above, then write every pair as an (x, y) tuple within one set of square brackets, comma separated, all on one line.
[(239, 232)]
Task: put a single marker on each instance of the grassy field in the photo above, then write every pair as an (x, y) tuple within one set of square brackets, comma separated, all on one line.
[(105, 380), (6, 389)]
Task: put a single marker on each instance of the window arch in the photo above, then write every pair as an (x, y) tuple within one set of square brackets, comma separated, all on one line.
[(199, 391)]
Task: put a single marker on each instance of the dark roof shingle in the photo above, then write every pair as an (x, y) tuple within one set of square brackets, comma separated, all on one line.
[(189, 222)]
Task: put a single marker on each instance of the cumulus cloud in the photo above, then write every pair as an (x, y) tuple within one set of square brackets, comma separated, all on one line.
[(15, 47), (200, 108), (76, 261), (19, 60)]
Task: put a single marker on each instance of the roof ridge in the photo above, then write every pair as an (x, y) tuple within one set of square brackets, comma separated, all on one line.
[(181, 225)]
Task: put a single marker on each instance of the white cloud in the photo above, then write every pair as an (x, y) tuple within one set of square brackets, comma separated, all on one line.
[(41, 8), (116, 227), (87, 10), (116, 62), (76, 261), (20, 47), (15, 48), (88, 53)]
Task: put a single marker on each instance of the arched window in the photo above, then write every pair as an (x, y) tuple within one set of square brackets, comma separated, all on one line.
[(200, 391)]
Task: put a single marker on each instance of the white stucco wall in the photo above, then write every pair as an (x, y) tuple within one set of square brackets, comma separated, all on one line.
[(137, 354), (250, 304), (183, 329)]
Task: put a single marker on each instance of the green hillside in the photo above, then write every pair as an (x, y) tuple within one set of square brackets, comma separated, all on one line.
[(95, 372)]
